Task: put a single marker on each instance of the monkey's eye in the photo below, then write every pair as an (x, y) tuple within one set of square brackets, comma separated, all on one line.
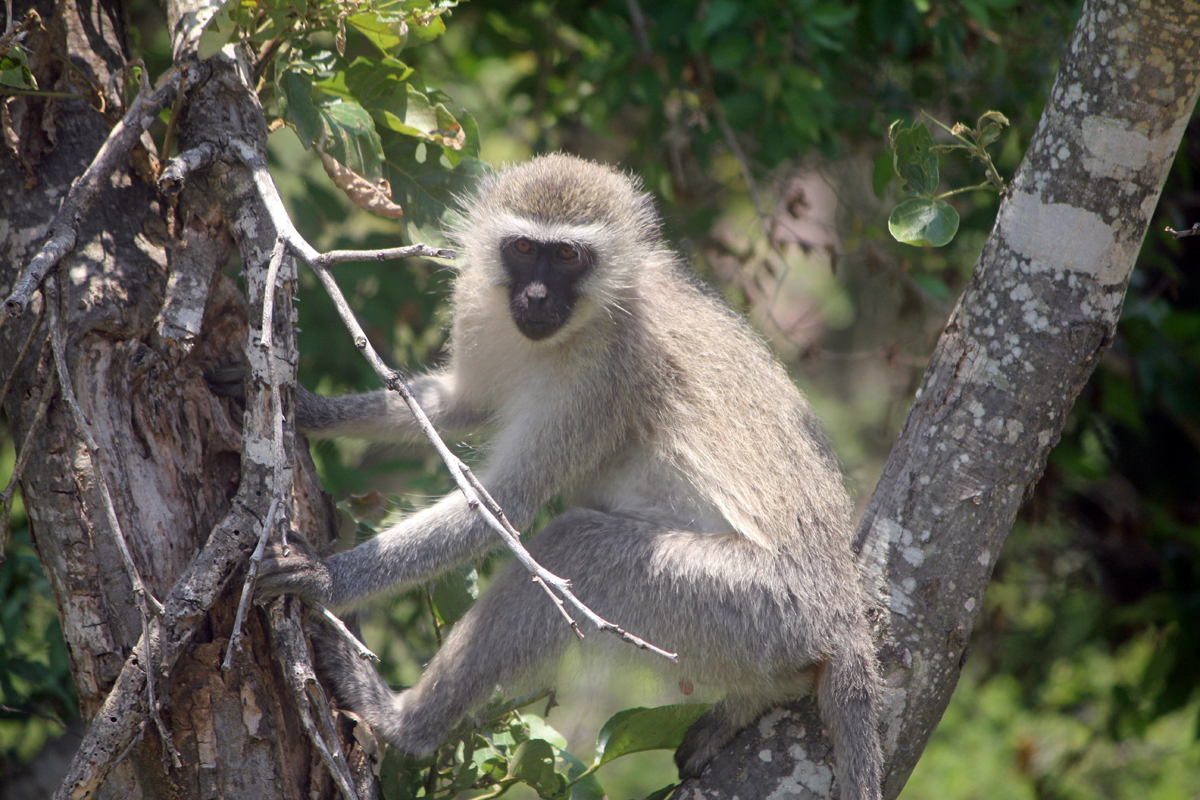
[(566, 252), (523, 246)]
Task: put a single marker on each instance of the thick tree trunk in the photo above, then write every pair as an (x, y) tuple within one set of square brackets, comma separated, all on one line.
[(173, 456), (1036, 316)]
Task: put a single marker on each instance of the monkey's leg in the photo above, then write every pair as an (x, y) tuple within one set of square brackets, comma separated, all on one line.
[(511, 634)]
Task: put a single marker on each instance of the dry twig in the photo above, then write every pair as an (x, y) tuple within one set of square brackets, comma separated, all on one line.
[(311, 703), (280, 475)]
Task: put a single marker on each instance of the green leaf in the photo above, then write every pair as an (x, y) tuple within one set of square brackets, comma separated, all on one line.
[(533, 764), (538, 728), (993, 116), (923, 221), (661, 794), (585, 788), (348, 130), (293, 87), (388, 33), (454, 593), (412, 114), (14, 70), (17, 78), (219, 30), (913, 157), (374, 83), (351, 137), (636, 729), (427, 28)]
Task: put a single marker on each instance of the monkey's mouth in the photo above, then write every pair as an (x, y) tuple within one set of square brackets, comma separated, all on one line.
[(539, 314), (537, 328)]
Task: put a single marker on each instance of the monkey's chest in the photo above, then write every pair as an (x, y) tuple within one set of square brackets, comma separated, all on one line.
[(645, 486)]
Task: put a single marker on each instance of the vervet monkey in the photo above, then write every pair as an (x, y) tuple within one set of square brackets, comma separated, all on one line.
[(708, 514)]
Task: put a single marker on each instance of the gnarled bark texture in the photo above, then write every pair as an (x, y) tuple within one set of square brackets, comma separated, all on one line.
[(191, 488)]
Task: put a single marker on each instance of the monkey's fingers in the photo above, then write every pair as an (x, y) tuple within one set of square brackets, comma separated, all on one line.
[(297, 573)]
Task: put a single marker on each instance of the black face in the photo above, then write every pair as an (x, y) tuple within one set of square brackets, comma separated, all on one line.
[(543, 282)]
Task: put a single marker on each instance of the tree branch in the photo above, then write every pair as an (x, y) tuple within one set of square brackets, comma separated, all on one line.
[(142, 596)]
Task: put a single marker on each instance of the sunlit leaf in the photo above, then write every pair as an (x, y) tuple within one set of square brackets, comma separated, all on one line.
[(913, 157), (636, 729), (533, 764), (388, 33), (219, 30), (923, 221)]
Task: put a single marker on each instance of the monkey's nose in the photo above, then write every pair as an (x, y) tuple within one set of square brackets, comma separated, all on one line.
[(535, 293)]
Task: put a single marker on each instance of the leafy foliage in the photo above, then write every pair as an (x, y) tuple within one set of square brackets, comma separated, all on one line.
[(340, 85), (509, 749), (927, 219)]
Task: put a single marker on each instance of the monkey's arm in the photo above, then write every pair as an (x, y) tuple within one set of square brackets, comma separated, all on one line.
[(382, 415), (533, 458)]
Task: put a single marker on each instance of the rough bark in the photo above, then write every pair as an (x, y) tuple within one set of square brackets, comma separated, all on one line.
[(191, 488), (1029, 329)]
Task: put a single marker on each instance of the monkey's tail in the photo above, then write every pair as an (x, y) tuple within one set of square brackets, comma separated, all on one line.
[(849, 698), (354, 681)]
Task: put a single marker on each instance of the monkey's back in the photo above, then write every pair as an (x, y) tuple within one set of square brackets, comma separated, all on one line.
[(733, 410)]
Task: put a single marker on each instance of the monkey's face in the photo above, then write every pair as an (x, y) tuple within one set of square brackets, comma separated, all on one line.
[(543, 282)]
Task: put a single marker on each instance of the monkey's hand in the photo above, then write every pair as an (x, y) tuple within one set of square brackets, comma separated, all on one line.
[(299, 572)]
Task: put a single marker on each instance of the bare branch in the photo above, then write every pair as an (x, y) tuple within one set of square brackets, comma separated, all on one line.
[(175, 174), (391, 253), (363, 651), (1192, 231), (279, 473), (235, 637), (477, 496), (84, 190)]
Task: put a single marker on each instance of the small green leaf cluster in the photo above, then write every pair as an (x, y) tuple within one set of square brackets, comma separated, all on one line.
[(926, 218), (507, 749), (14, 70)]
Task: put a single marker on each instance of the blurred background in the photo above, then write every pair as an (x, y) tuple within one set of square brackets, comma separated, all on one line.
[(761, 128)]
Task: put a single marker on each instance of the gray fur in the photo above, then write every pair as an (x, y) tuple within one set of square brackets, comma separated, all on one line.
[(709, 512)]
